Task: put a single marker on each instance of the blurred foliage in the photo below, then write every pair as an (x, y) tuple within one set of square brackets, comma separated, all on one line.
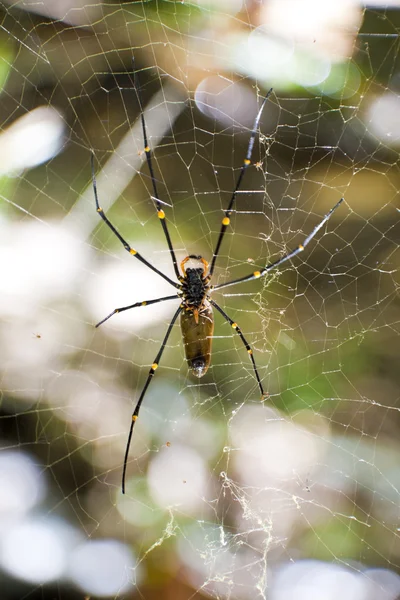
[(324, 329)]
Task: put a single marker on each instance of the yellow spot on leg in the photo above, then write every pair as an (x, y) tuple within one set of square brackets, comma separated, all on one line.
[(226, 221), (99, 209), (250, 351), (147, 149), (300, 247), (246, 161), (132, 251), (134, 418), (154, 366), (234, 325), (161, 214), (144, 303), (257, 274)]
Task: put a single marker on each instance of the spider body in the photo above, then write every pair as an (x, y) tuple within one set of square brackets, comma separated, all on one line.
[(197, 319), (194, 288)]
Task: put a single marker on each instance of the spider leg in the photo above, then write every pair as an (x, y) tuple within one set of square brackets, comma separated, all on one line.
[(143, 303), (236, 327), (155, 197), (246, 163), (288, 256), (127, 247), (135, 413)]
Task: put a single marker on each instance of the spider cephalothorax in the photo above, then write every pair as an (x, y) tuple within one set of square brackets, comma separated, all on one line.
[(194, 288), (195, 284)]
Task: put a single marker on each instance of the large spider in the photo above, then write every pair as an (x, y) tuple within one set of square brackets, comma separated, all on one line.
[(193, 286)]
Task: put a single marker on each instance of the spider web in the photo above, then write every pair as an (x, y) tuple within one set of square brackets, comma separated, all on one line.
[(296, 496)]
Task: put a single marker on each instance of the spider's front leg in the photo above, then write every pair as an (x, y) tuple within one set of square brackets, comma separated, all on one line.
[(143, 303), (286, 257), (115, 231)]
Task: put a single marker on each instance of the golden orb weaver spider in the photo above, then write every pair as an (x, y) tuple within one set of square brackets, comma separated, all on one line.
[(194, 285)]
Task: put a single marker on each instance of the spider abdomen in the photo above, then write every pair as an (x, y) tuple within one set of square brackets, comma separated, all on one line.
[(197, 330)]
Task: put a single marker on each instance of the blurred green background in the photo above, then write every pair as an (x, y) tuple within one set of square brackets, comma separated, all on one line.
[(228, 497)]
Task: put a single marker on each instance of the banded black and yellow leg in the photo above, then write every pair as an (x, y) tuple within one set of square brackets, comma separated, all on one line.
[(288, 256), (137, 304), (125, 244), (247, 161), (155, 197), (135, 413), (236, 327)]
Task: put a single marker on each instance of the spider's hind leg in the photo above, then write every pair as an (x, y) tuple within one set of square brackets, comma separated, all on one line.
[(150, 376), (236, 327)]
